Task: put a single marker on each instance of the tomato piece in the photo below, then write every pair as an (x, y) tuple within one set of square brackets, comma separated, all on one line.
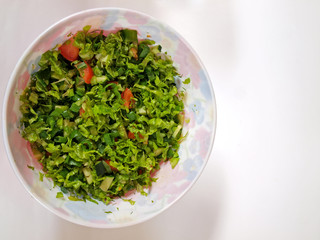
[(131, 135), (81, 111), (86, 73), (112, 168), (127, 96), (140, 135), (69, 51)]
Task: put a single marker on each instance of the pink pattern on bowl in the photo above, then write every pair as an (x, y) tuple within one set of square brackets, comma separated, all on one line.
[(188, 64), (23, 80), (132, 18)]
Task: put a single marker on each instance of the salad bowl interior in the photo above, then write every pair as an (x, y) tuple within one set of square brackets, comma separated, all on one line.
[(171, 184)]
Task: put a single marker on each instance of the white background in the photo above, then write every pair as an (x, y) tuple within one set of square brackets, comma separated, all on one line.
[(263, 178)]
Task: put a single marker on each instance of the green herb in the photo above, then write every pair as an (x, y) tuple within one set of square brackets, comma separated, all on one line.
[(41, 176), (59, 195), (130, 201), (186, 81), (32, 168), (103, 139), (74, 198)]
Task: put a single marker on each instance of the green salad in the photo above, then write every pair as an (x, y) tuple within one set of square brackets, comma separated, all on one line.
[(102, 113)]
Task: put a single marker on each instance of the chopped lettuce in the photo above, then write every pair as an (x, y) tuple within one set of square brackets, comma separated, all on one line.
[(90, 144), (187, 81), (59, 195)]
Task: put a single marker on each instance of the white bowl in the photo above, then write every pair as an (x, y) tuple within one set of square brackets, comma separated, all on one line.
[(172, 184)]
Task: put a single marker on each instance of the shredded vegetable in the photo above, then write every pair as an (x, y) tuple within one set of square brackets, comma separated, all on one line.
[(102, 113)]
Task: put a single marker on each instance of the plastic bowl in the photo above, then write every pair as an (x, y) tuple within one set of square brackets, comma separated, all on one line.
[(172, 184)]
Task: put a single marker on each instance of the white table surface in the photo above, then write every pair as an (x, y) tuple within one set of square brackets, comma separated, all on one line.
[(262, 180)]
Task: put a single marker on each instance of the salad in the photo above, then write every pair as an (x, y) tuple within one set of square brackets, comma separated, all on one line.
[(102, 113)]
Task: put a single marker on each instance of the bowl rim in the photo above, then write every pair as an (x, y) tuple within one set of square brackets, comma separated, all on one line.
[(10, 85)]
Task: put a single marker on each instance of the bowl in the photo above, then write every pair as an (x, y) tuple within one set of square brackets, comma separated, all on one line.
[(172, 184)]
